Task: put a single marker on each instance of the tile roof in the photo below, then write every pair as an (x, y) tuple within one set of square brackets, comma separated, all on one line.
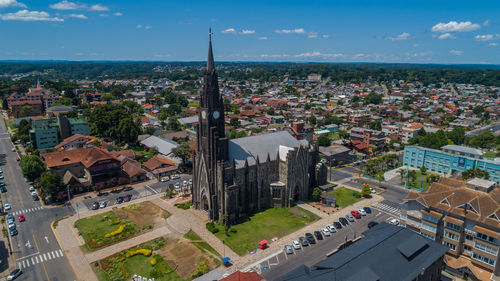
[(157, 161), (87, 156)]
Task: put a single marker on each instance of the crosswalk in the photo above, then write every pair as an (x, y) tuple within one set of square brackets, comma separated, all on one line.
[(27, 210), (386, 208), (32, 260)]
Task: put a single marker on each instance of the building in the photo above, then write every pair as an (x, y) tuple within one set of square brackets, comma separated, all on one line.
[(335, 154), (314, 77), (409, 130), (463, 216), (76, 141), (386, 253), (164, 146), (452, 159), (243, 276), (25, 108), (234, 178), (38, 98), (160, 166), (373, 139), (47, 133)]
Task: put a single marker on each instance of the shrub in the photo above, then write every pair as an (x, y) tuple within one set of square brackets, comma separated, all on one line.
[(116, 232), (152, 261), (144, 252), (211, 227), (116, 222)]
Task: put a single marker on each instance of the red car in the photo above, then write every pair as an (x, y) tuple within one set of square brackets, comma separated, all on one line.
[(356, 214), (21, 218), (18, 159)]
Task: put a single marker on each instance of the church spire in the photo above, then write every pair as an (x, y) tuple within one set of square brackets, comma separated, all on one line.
[(210, 60)]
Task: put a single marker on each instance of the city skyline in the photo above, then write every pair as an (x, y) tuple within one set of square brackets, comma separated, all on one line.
[(446, 32)]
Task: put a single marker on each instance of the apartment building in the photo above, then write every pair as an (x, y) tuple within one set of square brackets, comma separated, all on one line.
[(409, 130), (373, 139), (465, 217), (47, 133)]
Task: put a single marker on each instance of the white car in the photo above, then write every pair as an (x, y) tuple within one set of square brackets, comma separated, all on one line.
[(331, 228), (296, 244), (13, 149), (184, 183), (362, 212), (103, 204), (190, 181), (326, 232), (165, 179), (31, 188), (6, 206), (177, 184), (394, 221), (373, 190), (11, 225), (174, 177)]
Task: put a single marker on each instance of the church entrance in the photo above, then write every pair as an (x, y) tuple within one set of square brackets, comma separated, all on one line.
[(204, 202), (296, 195)]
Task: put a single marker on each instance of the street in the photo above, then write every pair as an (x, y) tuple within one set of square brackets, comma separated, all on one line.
[(35, 249)]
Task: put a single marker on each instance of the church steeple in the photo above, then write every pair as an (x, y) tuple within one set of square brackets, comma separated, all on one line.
[(210, 60)]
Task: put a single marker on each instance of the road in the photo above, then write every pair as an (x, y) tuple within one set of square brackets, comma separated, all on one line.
[(35, 248)]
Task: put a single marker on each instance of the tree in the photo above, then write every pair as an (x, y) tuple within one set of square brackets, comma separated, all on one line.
[(457, 135), (128, 130), (324, 140), (365, 190), (423, 169), (372, 98), (312, 120), (51, 183), (182, 151), (5, 104), (412, 174), (402, 174), (316, 194), (32, 167), (235, 122), (26, 110), (375, 125), (355, 99), (173, 124)]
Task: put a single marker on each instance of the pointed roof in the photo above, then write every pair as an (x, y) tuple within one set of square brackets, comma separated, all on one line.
[(210, 59)]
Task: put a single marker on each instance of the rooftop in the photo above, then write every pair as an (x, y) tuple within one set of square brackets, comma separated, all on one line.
[(463, 149)]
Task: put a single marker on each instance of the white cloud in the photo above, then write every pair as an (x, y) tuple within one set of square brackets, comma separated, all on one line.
[(139, 26), (148, 27), (310, 34), (118, 14), (263, 38), (456, 52), (419, 54), (229, 30), (11, 3), (358, 56), (401, 37), (247, 31), (453, 26), (66, 5), (445, 36), (103, 15), (98, 7), (78, 16), (144, 26), (325, 36), (486, 37), (493, 44), (25, 15), (486, 22), (317, 54)]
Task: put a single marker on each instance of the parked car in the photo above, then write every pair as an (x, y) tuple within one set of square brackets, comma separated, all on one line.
[(325, 232), (1, 177), (165, 179), (35, 197), (127, 188), (356, 214), (349, 217), (6, 206), (95, 206), (331, 228), (174, 177), (184, 183), (10, 218), (11, 225), (3, 189), (190, 181), (303, 241), (318, 235), (296, 244), (13, 231), (372, 224), (373, 190), (362, 212), (343, 221), (394, 221), (310, 238), (288, 250), (177, 184), (367, 210), (17, 159), (14, 274), (119, 200), (33, 193), (31, 189), (13, 149), (21, 218), (127, 198), (103, 204), (337, 225)]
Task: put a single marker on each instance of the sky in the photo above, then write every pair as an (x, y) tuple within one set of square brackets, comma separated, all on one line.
[(397, 31)]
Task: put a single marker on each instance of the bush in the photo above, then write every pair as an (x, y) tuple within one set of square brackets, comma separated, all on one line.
[(211, 227), (152, 261), (116, 232), (144, 252)]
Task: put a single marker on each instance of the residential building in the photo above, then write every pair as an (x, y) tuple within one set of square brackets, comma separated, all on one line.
[(463, 216), (164, 146), (452, 159), (47, 133), (38, 98), (76, 141), (409, 130), (160, 166), (386, 253), (17, 108), (373, 139)]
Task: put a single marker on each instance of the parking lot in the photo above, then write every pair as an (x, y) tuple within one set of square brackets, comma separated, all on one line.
[(280, 263)]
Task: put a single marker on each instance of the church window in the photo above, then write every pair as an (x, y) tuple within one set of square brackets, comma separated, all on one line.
[(276, 192)]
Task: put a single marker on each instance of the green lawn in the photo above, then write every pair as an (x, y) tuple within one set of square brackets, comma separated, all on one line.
[(490, 154), (417, 184), (93, 230), (244, 237), (202, 245), (345, 196)]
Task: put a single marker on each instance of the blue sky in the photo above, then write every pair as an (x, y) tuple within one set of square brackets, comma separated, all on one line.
[(322, 31)]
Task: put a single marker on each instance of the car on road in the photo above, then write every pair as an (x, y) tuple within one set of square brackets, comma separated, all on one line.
[(127, 198), (103, 204), (21, 218), (119, 200), (31, 189), (18, 159), (127, 188), (349, 217), (13, 231), (310, 238), (356, 214), (175, 177), (190, 181), (11, 225), (372, 224), (394, 221), (331, 228), (303, 241), (362, 212), (288, 250), (6, 206), (165, 179), (296, 244), (337, 225), (14, 274), (95, 206), (325, 232), (367, 210), (343, 221), (10, 218)]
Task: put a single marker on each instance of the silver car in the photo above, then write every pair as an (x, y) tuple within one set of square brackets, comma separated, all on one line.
[(288, 249), (349, 217)]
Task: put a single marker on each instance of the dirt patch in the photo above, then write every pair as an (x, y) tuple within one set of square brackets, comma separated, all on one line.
[(323, 208), (185, 256), (144, 213)]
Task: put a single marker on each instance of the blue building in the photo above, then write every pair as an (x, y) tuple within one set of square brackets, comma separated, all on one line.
[(451, 159)]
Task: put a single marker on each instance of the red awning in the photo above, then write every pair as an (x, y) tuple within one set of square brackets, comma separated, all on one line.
[(263, 242)]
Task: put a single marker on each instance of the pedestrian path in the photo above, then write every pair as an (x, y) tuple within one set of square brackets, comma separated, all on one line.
[(29, 210), (32, 260), (387, 209)]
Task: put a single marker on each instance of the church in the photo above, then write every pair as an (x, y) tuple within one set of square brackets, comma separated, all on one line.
[(234, 178)]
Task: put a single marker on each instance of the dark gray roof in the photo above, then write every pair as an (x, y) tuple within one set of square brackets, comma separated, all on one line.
[(61, 108), (261, 145), (387, 252), (464, 149)]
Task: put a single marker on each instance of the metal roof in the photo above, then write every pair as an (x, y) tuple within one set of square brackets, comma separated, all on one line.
[(463, 149)]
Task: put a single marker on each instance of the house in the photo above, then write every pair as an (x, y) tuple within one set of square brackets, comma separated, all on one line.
[(160, 166), (363, 138), (328, 199), (75, 141), (164, 146)]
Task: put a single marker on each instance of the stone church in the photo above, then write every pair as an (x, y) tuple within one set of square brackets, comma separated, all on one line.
[(235, 178)]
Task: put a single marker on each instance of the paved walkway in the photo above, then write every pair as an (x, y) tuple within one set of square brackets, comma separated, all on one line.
[(313, 210)]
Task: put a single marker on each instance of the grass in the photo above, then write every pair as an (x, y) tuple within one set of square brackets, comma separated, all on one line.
[(243, 238), (346, 196), (194, 104), (56, 222), (201, 245), (490, 154), (95, 227), (417, 183)]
